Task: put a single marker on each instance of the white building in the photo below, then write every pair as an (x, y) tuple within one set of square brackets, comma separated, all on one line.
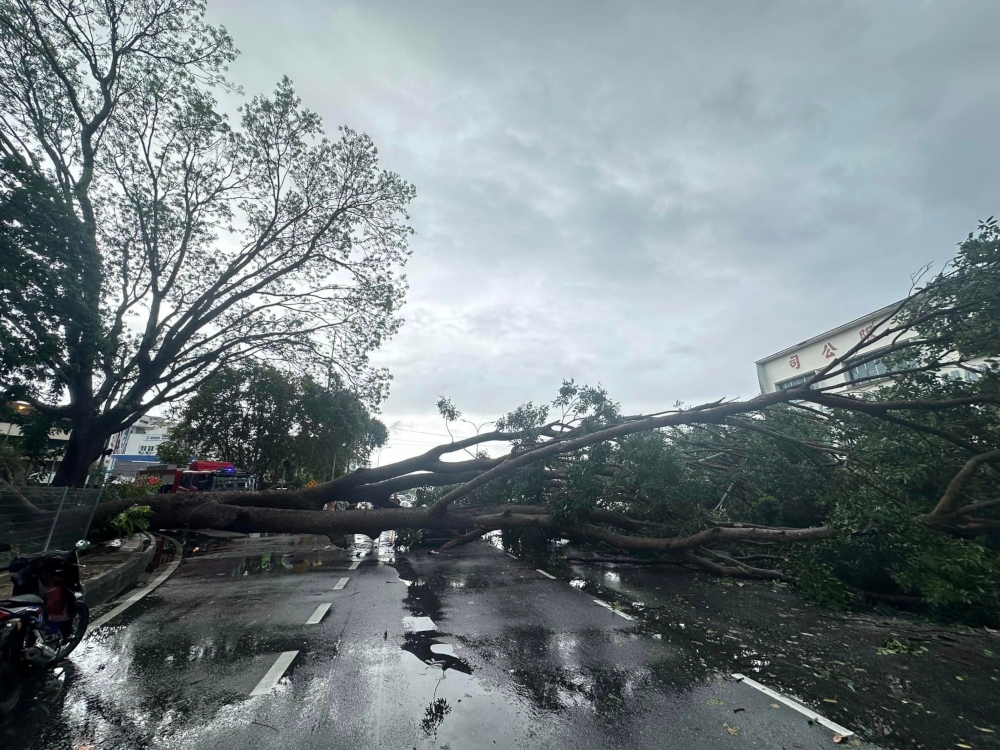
[(134, 448), (793, 366)]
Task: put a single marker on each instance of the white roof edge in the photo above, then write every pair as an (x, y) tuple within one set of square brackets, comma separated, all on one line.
[(825, 334)]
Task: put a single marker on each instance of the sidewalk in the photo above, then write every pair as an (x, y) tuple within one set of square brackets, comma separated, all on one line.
[(107, 574)]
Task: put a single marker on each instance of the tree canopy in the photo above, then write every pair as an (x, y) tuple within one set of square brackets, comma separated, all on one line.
[(280, 427), (147, 240)]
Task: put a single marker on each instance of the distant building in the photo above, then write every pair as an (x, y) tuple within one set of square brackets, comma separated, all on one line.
[(795, 365), (134, 448)]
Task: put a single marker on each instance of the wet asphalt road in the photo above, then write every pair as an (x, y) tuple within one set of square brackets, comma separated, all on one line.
[(464, 650)]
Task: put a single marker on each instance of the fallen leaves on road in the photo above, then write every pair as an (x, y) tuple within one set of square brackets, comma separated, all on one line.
[(894, 646), (733, 730), (715, 702)]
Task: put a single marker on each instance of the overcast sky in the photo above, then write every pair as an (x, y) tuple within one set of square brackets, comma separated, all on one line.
[(649, 195)]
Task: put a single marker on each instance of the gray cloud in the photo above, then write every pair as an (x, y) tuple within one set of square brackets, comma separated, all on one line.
[(650, 197)]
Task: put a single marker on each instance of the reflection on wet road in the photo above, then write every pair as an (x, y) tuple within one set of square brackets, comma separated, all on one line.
[(463, 650)]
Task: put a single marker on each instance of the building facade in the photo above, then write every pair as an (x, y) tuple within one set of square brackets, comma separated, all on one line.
[(795, 365), (134, 448)]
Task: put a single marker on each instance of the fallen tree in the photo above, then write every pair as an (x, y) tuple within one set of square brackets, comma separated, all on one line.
[(694, 484)]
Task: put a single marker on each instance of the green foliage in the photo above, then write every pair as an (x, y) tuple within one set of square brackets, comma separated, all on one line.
[(132, 520), (274, 425), (174, 452), (894, 647), (40, 273), (527, 419), (127, 490), (447, 410), (970, 292)]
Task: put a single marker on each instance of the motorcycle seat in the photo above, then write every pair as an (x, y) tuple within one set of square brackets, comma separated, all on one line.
[(23, 599)]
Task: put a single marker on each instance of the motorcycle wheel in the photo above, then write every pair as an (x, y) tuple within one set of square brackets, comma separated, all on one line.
[(78, 628), (10, 688)]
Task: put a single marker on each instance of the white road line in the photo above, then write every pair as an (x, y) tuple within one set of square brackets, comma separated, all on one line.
[(136, 596), (512, 557), (354, 565), (341, 583), (616, 611), (547, 575), (797, 706), (316, 616), (268, 681)]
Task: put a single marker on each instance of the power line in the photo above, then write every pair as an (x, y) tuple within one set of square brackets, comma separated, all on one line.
[(419, 432)]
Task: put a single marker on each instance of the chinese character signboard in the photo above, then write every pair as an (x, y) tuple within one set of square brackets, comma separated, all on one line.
[(829, 350), (866, 331), (794, 362)]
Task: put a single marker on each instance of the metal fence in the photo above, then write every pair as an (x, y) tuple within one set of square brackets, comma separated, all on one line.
[(41, 518)]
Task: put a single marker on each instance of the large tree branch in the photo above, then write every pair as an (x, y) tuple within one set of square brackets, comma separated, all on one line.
[(949, 500)]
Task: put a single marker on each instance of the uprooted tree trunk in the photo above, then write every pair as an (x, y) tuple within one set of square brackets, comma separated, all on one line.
[(302, 511)]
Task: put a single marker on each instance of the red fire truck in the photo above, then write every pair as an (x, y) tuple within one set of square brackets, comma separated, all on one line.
[(201, 476)]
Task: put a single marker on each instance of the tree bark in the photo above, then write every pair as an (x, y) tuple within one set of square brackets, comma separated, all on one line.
[(83, 448)]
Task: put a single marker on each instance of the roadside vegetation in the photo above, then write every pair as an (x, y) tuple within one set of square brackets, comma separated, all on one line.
[(283, 428)]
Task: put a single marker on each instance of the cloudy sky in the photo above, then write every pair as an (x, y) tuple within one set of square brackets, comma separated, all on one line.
[(649, 195)]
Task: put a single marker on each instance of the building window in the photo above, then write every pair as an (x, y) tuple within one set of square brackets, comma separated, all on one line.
[(869, 370), (147, 449), (797, 381), (874, 369)]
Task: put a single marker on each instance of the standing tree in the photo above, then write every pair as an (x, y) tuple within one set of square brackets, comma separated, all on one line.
[(272, 424), (333, 428), (174, 243)]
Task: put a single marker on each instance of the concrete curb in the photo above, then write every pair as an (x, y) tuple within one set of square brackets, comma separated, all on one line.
[(141, 592), (110, 583)]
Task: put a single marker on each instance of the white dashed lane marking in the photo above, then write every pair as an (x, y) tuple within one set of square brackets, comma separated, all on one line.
[(268, 681), (797, 706), (354, 565), (316, 616), (547, 575), (341, 583)]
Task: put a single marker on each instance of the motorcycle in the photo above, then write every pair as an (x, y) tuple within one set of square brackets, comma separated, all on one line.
[(44, 620)]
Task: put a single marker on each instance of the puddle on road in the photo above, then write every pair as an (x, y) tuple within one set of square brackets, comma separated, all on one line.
[(434, 652)]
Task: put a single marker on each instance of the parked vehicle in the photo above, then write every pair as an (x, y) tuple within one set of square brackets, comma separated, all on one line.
[(44, 619), (201, 476)]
